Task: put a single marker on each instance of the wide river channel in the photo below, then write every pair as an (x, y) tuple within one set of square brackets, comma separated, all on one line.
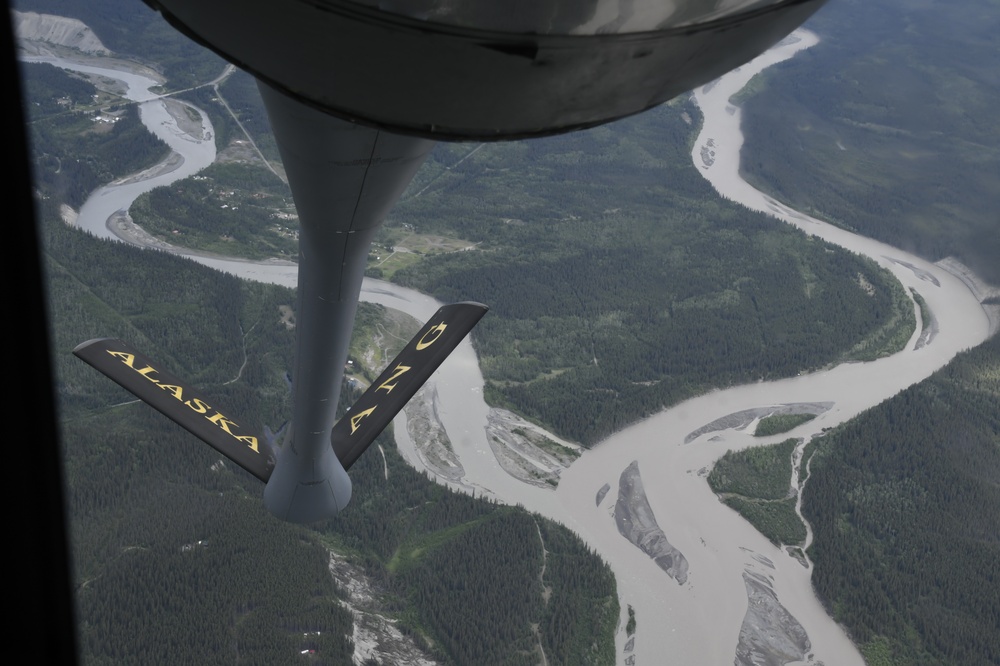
[(701, 620)]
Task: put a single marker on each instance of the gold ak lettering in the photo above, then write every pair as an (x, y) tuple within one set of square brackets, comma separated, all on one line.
[(396, 374), (436, 331), (356, 419), (426, 340)]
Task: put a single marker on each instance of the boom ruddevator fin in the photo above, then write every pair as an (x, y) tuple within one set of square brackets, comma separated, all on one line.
[(185, 406), (402, 379), (351, 436)]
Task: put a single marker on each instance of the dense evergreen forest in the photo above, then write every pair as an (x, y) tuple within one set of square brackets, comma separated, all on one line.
[(233, 209), (50, 91), (174, 554), (620, 283), (905, 505), (887, 126)]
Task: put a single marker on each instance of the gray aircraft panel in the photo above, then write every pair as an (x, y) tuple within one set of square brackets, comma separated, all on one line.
[(344, 179), (487, 74)]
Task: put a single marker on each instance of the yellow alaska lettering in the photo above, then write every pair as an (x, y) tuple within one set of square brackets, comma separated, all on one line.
[(198, 405), (249, 441), (221, 421), (437, 331), (174, 390), (359, 417), (129, 360), (147, 371), (399, 371), (125, 357)]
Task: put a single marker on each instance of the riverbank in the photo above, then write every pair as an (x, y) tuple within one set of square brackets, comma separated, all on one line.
[(987, 294)]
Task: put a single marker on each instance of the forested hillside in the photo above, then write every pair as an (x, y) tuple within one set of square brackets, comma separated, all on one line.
[(887, 126), (233, 209), (620, 282), (905, 505)]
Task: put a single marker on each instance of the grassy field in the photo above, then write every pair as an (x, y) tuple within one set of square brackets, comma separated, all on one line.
[(398, 248)]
